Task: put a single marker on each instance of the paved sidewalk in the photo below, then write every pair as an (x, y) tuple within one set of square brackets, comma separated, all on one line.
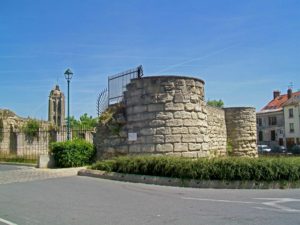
[(14, 174)]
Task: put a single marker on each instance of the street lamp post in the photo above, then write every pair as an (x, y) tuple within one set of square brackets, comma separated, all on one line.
[(68, 75)]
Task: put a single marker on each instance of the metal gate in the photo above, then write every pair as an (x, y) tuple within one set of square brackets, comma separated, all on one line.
[(117, 84)]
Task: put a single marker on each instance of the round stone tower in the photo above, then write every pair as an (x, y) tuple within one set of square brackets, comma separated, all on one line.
[(241, 130), (168, 116)]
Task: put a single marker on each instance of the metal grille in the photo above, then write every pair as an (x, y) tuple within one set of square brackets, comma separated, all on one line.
[(117, 84), (102, 102), (15, 145)]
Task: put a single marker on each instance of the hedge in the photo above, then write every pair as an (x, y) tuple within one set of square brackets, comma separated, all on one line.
[(230, 169), (73, 153)]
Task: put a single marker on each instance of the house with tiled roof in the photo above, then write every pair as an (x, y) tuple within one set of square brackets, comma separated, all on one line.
[(291, 111), (271, 120)]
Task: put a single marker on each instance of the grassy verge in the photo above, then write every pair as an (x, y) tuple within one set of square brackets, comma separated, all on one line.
[(18, 159), (229, 169)]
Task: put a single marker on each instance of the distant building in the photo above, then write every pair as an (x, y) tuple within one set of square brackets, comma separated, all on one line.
[(291, 111), (271, 120), (56, 113)]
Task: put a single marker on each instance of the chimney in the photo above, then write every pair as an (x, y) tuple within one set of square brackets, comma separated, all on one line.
[(276, 94), (289, 93)]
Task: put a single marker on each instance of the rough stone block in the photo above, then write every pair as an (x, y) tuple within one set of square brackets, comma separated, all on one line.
[(172, 138), (174, 123), (191, 122), (182, 115), (205, 146), (155, 108), (187, 138), (195, 99), (194, 130), (163, 130), (157, 139), (195, 147), (194, 115), (202, 116), (164, 148), (148, 131), (148, 148), (133, 101), (139, 109), (157, 123), (136, 92), (181, 147), (164, 115), (180, 82), (200, 138), (198, 84), (179, 130), (164, 97), (189, 107), (170, 106), (198, 108), (180, 98), (148, 116), (189, 82)]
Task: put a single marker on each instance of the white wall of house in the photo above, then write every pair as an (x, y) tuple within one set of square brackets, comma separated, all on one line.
[(264, 126), (295, 120)]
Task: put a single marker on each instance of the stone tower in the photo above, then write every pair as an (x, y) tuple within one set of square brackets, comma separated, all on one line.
[(56, 113)]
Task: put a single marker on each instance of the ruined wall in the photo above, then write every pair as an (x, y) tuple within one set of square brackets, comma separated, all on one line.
[(216, 130), (241, 130), (14, 141), (168, 115)]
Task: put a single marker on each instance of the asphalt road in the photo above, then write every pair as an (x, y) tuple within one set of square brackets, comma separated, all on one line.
[(85, 200)]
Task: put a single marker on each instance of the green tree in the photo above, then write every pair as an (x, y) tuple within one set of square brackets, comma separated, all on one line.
[(85, 121), (216, 103), (88, 121)]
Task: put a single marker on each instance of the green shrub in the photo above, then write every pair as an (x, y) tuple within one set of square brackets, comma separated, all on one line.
[(73, 153), (230, 168), (31, 130)]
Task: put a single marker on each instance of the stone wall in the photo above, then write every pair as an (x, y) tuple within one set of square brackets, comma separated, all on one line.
[(241, 130), (168, 115), (14, 141), (216, 130)]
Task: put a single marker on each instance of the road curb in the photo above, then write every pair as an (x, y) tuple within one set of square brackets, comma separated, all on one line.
[(166, 181)]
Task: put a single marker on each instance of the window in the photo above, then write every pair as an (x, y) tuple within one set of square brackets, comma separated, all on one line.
[(260, 136), (272, 120), (273, 135), (259, 122), (292, 128), (291, 113)]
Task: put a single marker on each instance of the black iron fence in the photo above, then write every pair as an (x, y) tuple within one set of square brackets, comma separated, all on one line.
[(117, 84), (18, 145)]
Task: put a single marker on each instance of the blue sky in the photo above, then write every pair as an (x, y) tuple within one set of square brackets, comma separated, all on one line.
[(242, 49)]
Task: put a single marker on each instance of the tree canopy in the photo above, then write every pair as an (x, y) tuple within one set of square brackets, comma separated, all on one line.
[(85, 121), (216, 103)]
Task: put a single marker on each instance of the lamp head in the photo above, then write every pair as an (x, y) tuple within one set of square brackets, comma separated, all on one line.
[(68, 74)]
